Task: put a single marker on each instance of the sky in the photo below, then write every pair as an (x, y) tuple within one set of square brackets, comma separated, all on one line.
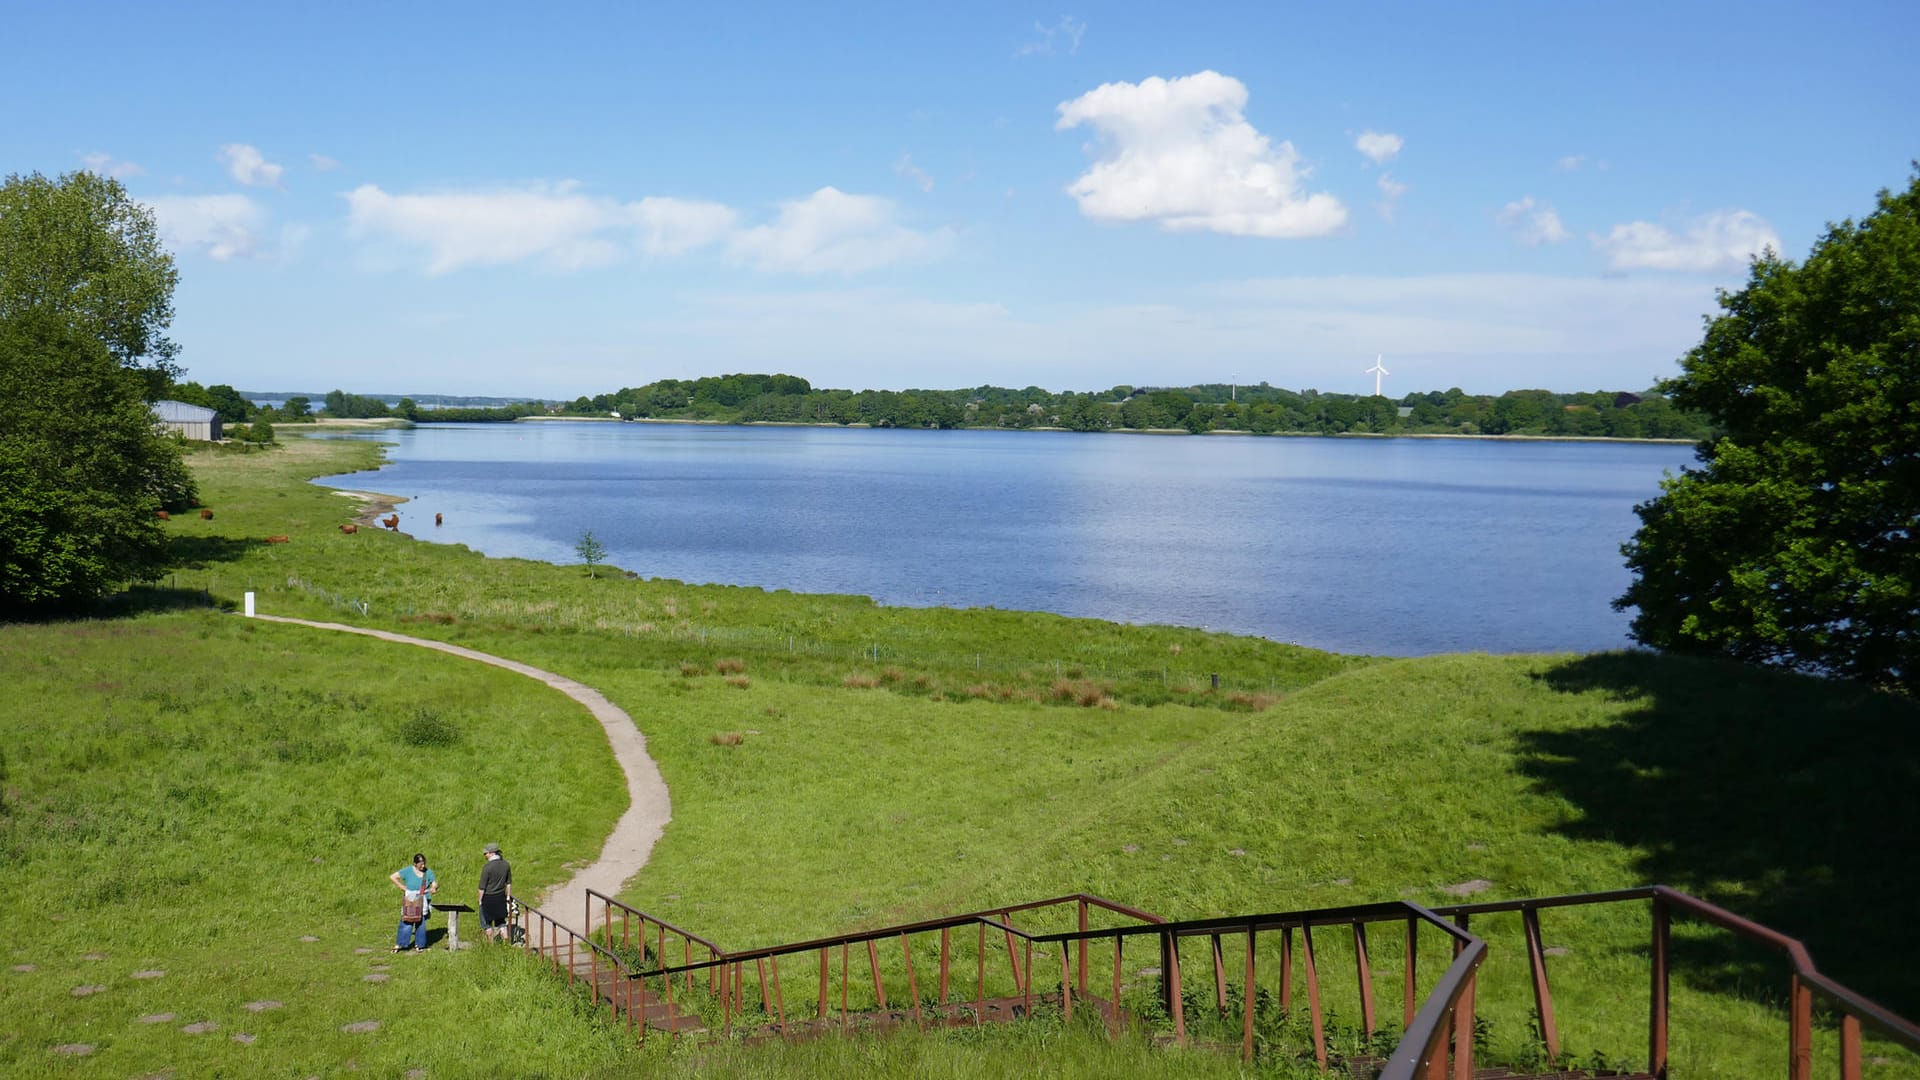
[(566, 199)]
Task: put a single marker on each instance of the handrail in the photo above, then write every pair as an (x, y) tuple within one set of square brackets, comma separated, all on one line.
[(1340, 916), (1441, 1026), (654, 919), (1855, 1007), (861, 936), (1425, 1038), (767, 952)]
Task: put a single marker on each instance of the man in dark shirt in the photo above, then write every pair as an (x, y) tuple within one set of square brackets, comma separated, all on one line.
[(496, 888)]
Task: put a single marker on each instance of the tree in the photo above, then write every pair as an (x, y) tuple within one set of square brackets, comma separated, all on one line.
[(82, 468), (80, 249), (233, 408), (1797, 541), (591, 551)]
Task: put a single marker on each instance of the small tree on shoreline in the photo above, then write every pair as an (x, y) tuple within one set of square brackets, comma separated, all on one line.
[(591, 551)]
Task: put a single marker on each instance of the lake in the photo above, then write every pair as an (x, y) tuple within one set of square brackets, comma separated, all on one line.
[(1386, 546)]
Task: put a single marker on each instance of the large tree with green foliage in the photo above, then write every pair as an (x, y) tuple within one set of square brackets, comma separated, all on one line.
[(85, 294), (1797, 540), (81, 248), (82, 468)]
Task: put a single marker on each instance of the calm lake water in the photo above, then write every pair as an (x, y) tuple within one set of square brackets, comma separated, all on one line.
[(1386, 546)]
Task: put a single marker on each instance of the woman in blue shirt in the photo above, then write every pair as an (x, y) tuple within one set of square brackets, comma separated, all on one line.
[(414, 881)]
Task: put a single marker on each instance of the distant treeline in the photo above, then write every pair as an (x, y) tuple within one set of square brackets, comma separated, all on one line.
[(235, 407), (1261, 409)]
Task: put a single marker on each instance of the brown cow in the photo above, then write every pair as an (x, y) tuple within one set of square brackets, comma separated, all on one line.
[(349, 528), (277, 539), (206, 515), (163, 515), (436, 519), (391, 522)]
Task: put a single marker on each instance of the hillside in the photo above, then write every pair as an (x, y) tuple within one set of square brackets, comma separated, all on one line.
[(175, 765)]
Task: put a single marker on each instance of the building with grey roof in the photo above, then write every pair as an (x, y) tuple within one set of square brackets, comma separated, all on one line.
[(190, 421)]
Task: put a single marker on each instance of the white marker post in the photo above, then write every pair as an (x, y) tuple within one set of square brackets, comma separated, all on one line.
[(249, 605)]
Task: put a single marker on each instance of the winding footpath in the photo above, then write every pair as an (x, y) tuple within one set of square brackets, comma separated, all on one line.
[(648, 808)]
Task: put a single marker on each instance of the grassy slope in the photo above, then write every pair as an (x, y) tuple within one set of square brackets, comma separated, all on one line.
[(194, 794), (863, 806)]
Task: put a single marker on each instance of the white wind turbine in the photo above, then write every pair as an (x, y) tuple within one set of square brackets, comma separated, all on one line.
[(1376, 371)]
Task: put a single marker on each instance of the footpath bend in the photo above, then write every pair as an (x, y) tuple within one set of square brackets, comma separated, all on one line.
[(648, 808)]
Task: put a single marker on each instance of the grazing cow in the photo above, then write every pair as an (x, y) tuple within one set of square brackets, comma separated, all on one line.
[(392, 522), (206, 515), (277, 539), (436, 519), (163, 515), (349, 528)]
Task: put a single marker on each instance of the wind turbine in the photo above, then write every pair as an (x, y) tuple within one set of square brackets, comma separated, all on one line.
[(1376, 371)]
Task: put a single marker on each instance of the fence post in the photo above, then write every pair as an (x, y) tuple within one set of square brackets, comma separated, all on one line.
[(1800, 1032), (1657, 1011)]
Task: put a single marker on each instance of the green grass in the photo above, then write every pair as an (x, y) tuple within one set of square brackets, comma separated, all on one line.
[(194, 794), (957, 769)]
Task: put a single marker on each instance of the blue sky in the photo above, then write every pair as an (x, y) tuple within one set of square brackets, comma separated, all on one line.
[(509, 200)]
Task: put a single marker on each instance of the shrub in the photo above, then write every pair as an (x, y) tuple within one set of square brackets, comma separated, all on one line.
[(727, 738), (731, 665), (427, 729)]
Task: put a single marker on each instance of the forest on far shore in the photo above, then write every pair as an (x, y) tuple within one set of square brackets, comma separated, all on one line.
[(1260, 408)]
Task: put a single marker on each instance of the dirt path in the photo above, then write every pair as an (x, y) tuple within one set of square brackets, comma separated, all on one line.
[(648, 809)]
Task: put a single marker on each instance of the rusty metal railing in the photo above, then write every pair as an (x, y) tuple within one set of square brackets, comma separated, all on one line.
[(1437, 1041), (543, 935), (1437, 1032), (1804, 982), (998, 922)]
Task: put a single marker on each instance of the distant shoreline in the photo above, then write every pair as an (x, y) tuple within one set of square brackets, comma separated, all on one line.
[(397, 422), (1120, 431)]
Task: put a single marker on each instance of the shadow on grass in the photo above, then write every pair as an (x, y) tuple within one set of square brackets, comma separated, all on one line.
[(200, 552), (1792, 801), (152, 600)]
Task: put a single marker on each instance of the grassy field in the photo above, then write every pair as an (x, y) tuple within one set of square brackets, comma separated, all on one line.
[(892, 764)]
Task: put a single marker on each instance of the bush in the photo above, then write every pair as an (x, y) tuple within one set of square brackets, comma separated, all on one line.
[(427, 729)]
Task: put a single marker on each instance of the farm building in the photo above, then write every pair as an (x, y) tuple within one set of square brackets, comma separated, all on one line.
[(190, 421)]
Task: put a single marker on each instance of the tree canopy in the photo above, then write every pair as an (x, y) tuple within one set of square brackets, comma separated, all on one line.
[(82, 468), (1794, 543), (85, 292), (82, 249)]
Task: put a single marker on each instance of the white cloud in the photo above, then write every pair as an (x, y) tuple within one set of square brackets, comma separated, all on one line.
[(1571, 163), (833, 231), (247, 165), (1180, 152), (1723, 240), (552, 222), (676, 226), (565, 228), (106, 165), (1067, 29), (322, 163), (1533, 224), (1380, 146), (221, 227), (906, 169), (1390, 192)]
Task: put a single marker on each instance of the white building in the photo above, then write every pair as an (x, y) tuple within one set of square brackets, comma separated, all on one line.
[(191, 421)]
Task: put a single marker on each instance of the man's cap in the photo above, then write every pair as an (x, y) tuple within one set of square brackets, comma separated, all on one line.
[(491, 849)]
